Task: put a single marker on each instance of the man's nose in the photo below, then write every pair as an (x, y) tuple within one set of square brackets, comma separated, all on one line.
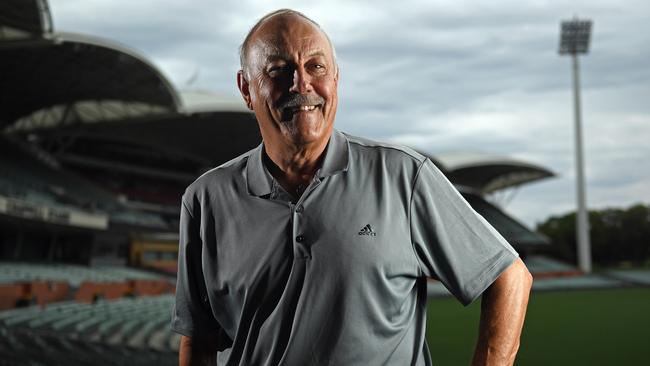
[(301, 81)]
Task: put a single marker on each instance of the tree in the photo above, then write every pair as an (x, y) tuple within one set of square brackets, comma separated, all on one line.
[(617, 235)]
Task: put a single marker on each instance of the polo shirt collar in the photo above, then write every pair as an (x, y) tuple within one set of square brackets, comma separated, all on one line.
[(260, 182), (336, 155)]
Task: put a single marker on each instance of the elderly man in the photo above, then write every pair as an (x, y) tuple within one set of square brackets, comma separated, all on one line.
[(314, 248)]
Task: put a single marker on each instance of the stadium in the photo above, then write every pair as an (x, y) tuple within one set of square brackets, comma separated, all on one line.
[(96, 149)]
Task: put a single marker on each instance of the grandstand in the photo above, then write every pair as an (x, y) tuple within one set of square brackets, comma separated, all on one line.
[(93, 160)]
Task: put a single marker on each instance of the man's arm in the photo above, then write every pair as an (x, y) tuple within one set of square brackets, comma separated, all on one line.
[(195, 351), (503, 308)]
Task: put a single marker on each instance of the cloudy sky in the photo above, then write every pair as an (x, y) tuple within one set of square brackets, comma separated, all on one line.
[(441, 76)]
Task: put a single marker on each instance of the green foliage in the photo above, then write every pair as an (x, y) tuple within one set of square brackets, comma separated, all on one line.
[(617, 235)]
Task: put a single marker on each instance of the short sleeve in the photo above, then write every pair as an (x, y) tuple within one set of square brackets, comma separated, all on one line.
[(452, 241), (191, 314)]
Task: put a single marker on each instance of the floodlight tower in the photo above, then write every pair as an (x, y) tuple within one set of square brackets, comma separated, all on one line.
[(574, 40)]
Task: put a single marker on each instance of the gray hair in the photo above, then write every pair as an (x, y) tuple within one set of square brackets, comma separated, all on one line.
[(243, 48)]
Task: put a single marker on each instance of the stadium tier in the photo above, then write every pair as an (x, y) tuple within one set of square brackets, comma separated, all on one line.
[(34, 187), (23, 284), (72, 274)]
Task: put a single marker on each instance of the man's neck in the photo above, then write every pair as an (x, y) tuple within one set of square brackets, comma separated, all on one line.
[(294, 166)]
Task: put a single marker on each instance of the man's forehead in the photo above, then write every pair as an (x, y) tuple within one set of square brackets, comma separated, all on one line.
[(281, 51), (281, 39)]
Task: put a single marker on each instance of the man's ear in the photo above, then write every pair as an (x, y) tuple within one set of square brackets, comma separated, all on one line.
[(336, 76), (242, 84)]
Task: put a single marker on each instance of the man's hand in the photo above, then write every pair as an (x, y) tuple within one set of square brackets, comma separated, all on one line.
[(196, 351), (503, 308)]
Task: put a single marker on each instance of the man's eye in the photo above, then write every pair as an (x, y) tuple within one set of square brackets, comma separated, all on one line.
[(277, 70), (318, 68)]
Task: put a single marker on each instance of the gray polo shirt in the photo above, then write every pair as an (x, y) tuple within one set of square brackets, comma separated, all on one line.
[(337, 278)]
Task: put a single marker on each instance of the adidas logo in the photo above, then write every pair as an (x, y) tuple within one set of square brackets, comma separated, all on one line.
[(367, 230)]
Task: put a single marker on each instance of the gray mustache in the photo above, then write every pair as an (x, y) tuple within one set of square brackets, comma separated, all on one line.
[(296, 100)]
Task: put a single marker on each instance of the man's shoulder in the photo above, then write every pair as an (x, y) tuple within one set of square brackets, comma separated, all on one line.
[(219, 176), (365, 146)]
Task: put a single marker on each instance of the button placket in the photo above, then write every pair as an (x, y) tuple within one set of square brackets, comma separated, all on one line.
[(301, 248)]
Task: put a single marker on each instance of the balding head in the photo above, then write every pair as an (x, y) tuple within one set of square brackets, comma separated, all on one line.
[(281, 17)]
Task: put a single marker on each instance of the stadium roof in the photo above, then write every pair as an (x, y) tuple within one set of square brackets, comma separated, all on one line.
[(211, 130), (51, 79), (24, 19), (72, 78), (487, 173)]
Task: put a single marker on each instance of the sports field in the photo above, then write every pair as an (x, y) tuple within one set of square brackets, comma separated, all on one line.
[(602, 327)]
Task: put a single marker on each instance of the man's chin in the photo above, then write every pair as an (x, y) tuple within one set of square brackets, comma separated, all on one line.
[(302, 132)]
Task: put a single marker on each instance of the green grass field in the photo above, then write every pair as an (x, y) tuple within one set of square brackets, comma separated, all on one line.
[(604, 327)]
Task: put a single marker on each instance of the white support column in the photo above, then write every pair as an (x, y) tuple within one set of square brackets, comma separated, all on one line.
[(582, 219)]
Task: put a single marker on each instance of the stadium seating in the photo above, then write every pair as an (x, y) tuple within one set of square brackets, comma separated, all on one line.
[(10, 293), (99, 327), (545, 267), (152, 287), (92, 291), (26, 293), (73, 274), (50, 291), (552, 275), (23, 284), (35, 182), (634, 277), (122, 331)]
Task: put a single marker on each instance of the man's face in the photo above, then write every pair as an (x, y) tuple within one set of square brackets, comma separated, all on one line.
[(291, 81)]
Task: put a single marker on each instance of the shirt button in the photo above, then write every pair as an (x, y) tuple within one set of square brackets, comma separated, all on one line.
[(300, 209), (300, 238)]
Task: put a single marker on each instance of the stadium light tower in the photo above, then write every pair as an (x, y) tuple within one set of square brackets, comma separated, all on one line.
[(574, 40)]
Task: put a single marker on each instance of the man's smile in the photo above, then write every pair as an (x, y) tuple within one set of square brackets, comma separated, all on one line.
[(304, 108), (288, 112)]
